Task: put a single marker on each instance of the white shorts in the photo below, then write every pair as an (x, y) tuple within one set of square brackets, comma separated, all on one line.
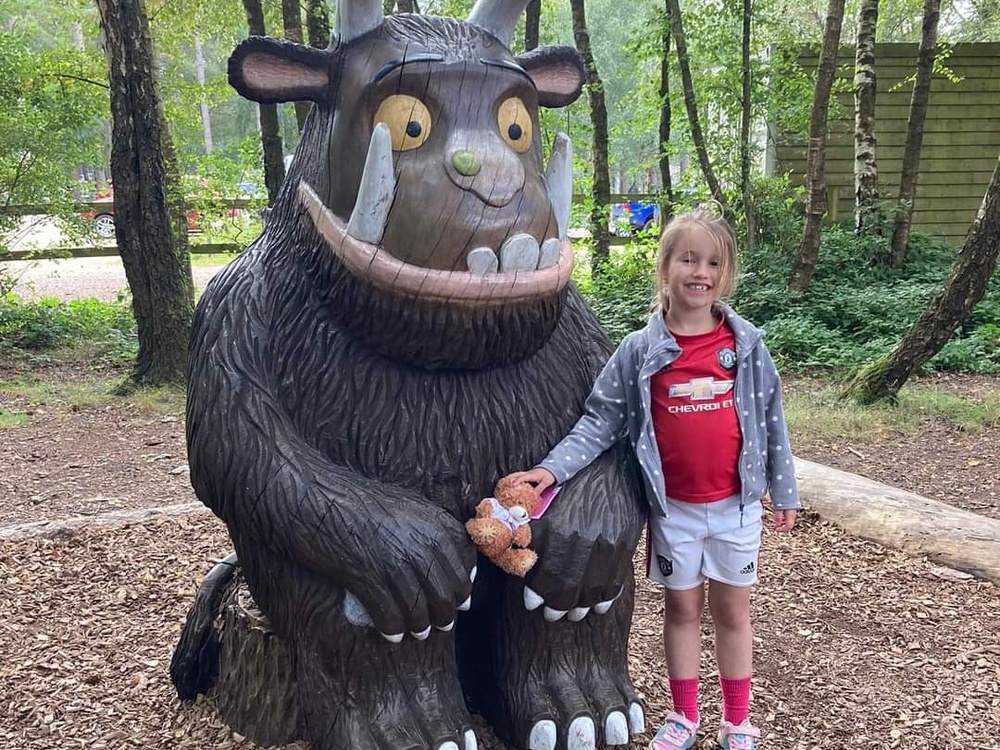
[(700, 541)]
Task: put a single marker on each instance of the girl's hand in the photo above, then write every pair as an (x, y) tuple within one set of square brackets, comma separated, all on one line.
[(784, 520), (541, 478)]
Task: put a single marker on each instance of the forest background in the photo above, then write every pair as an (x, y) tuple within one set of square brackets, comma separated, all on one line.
[(55, 140)]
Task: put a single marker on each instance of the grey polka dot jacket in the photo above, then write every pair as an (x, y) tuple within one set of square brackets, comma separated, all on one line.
[(619, 404)]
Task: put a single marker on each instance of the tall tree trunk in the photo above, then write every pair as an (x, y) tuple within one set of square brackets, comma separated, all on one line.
[(270, 128), (291, 18), (532, 20), (667, 197), (691, 103), (601, 189), (317, 24), (805, 261), (961, 292), (915, 132), (206, 118), (150, 217), (865, 167), (745, 118)]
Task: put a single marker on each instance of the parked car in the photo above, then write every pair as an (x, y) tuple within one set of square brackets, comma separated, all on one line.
[(638, 216), (103, 219)]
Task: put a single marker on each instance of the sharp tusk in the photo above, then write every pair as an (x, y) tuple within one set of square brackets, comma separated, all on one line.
[(378, 186), (559, 181)]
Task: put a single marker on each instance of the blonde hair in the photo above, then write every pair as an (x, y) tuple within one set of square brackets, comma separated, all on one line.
[(677, 229)]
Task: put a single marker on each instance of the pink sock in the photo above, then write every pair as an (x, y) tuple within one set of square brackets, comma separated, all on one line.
[(735, 699), (685, 696)]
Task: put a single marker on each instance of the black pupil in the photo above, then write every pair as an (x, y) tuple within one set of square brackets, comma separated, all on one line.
[(413, 129), (514, 131)]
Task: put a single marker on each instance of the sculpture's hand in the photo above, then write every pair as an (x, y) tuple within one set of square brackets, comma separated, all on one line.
[(585, 541), (411, 566)]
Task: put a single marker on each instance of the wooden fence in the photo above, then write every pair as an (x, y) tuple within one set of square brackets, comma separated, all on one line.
[(111, 249), (961, 135)]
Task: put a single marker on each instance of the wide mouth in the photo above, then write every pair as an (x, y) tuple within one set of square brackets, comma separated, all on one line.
[(523, 268)]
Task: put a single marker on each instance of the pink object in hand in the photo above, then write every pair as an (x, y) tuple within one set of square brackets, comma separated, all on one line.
[(546, 495)]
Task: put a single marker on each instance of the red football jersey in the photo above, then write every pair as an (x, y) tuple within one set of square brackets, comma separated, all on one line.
[(694, 418)]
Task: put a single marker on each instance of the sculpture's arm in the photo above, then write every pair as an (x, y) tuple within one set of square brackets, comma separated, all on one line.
[(405, 559)]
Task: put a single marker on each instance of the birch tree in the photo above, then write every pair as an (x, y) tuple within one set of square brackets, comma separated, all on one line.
[(915, 133), (865, 165), (962, 290), (805, 261)]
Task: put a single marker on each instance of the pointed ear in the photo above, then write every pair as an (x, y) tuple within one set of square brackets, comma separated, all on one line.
[(271, 71), (557, 72)]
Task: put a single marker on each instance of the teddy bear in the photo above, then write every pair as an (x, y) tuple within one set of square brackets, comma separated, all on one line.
[(501, 530)]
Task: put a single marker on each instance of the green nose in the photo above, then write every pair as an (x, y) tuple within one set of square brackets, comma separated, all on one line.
[(466, 162)]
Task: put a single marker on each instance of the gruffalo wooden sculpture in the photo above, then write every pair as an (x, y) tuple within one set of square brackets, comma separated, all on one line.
[(401, 335)]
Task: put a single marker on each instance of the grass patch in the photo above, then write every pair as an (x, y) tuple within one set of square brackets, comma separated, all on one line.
[(211, 259), (168, 400), (37, 392), (813, 411), (11, 419)]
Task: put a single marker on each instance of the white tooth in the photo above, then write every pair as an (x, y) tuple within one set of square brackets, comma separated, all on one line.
[(553, 615), (519, 253), (482, 260), (543, 736), (422, 635), (577, 613), (615, 729), (532, 600), (378, 186), (559, 181), (549, 255), (470, 740), (636, 719), (355, 611)]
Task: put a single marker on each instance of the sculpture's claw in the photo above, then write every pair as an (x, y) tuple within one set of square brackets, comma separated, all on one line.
[(472, 574), (532, 600), (392, 637), (554, 615), (577, 613), (615, 729), (464, 606), (543, 736), (636, 719), (471, 743), (422, 636), (581, 734), (445, 628)]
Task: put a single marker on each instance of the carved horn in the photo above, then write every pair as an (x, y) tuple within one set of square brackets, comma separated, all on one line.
[(357, 17), (499, 17)]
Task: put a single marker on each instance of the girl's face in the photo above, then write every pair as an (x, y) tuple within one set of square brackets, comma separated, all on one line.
[(693, 273)]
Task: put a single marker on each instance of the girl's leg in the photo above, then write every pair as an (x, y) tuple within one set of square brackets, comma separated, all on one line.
[(682, 646), (730, 608)]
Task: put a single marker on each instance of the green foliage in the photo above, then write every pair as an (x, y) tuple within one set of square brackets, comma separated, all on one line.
[(854, 312), (107, 327), (621, 294)]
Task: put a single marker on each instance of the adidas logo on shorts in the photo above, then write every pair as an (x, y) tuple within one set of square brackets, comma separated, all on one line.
[(748, 569)]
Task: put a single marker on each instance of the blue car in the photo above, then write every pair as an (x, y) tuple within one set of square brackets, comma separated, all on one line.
[(630, 218)]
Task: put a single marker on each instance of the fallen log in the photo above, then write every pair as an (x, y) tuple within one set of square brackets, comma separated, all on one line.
[(896, 518)]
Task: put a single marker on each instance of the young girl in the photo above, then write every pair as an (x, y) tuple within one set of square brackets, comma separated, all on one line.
[(700, 399)]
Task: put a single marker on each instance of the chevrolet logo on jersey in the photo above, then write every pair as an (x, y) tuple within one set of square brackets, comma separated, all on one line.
[(701, 389)]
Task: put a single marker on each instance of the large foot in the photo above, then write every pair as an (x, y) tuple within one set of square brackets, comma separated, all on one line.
[(564, 685)]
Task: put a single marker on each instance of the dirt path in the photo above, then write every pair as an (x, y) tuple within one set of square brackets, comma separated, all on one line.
[(79, 278)]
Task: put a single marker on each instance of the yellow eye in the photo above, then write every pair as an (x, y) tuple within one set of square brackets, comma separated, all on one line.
[(515, 124), (408, 119)]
